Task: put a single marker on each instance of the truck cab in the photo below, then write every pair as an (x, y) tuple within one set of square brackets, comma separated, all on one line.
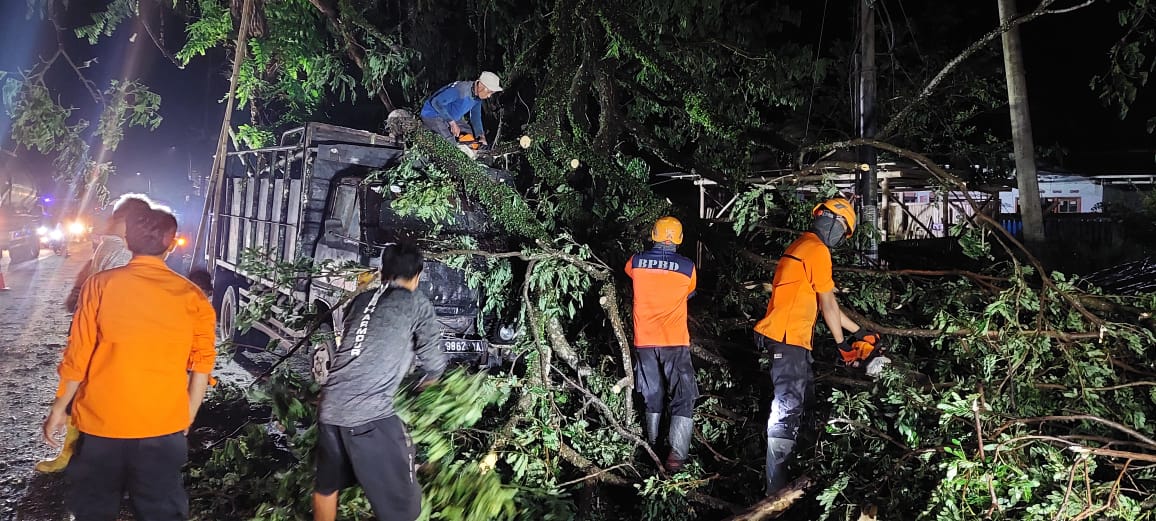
[(314, 196)]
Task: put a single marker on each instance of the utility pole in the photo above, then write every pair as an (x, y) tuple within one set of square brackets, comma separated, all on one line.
[(1031, 211), (866, 124)]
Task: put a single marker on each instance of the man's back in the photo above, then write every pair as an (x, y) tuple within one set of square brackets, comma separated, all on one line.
[(137, 331), (376, 352), (663, 281), (453, 101), (803, 272)]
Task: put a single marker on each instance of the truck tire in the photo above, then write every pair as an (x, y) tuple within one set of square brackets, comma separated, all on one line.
[(227, 318), (321, 356), (19, 252)]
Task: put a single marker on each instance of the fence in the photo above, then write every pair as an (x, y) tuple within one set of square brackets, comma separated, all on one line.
[(1087, 229)]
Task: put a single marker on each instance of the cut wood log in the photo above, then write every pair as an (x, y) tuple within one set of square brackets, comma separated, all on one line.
[(774, 506)]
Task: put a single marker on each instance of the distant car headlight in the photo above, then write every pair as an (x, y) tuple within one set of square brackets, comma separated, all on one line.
[(507, 333), (76, 228), (42, 231), (44, 239)]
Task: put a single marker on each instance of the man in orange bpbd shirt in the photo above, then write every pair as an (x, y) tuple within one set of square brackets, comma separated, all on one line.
[(137, 363), (663, 281), (803, 287)]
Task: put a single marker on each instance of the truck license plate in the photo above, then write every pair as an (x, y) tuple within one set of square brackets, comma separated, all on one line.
[(455, 345)]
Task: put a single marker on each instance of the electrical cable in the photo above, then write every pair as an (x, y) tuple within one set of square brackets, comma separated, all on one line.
[(814, 68)]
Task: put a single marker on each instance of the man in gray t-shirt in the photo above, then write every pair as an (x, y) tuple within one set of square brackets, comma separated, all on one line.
[(360, 438)]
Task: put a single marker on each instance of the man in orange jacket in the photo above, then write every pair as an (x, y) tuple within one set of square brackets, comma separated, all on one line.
[(663, 281), (803, 287), (137, 363), (111, 253)]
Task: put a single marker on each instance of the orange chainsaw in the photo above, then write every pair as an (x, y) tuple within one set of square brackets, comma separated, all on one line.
[(864, 350), (468, 139)]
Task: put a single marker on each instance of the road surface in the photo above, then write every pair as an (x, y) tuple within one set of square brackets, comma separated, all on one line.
[(33, 329)]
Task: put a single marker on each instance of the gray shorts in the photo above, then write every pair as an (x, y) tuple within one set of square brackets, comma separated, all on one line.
[(377, 455)]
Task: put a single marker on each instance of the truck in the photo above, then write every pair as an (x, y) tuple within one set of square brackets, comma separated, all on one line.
[(20, 215), (313, 196)]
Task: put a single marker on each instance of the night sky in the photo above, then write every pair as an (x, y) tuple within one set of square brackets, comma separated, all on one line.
[(1063, 52), (189, 98)]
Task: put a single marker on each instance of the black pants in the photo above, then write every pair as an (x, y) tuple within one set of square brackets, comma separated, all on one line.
[(378, 456), (794, 387), (659, 371), (149, 469)]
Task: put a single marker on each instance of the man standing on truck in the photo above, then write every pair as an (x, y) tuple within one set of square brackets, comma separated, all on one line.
[(137, 363), (445, 110), (111, 253), (663, 282), (802, 288), (360, 438)]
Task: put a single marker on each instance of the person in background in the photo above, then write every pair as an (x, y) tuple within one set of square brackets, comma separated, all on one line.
[(360, 438), (203, 279), (663, 282), (137, 364), (112, 252)]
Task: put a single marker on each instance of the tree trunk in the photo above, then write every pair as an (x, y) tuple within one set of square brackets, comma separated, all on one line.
[(1017, 94), (213, 186)]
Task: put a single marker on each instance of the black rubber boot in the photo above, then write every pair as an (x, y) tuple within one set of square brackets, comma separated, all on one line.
[(778, 453), (652, 421), (681, 430)]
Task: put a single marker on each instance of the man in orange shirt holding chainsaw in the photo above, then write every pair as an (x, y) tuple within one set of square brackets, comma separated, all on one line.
[(803, 287)]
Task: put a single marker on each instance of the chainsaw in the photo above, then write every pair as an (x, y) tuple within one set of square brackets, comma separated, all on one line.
[(865, 350), (468, 139)]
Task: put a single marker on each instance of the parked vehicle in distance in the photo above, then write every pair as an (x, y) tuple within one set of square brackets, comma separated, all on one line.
[(20, 215)]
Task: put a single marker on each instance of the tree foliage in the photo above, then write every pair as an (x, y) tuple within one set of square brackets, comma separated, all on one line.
[(1015, 392)]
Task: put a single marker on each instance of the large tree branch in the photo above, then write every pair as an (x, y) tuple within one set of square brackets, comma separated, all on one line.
[(1081, 417), (609, 415), (774, 505), (609, 303), (1040, 10), (956, 183), (352, 47)]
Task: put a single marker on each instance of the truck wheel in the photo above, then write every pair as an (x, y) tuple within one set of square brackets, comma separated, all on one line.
[(227, 317), (19, 254), (322, 359)]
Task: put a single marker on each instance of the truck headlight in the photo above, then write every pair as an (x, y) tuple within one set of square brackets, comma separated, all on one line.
[(42, 231), (507, 333), (76, 228)]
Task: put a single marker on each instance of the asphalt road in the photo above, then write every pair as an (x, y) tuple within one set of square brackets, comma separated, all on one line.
[(33, 329)]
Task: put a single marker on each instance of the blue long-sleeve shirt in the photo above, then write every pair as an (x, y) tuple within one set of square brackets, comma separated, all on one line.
[(452, 102)]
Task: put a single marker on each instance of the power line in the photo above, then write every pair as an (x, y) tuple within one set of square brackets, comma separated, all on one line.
[(814, 77)]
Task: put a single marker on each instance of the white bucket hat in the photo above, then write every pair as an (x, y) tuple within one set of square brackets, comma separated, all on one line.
[(490, 80)]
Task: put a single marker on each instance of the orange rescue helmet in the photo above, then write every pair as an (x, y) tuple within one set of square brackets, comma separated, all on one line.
[(667, 229), (840, 207)]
